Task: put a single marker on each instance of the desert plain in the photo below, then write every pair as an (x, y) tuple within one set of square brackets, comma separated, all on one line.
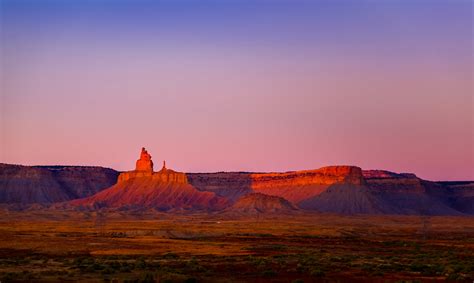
[(150, 246)]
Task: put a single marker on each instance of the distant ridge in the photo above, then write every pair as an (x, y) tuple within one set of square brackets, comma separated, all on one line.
[(49, 184), (332, 189), (294, 186)]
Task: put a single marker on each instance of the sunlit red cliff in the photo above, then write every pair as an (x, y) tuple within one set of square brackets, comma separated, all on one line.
[(332, 189)]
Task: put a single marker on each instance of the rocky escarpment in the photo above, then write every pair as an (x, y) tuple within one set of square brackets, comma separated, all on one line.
[(407, 194), (461, 195), (342, 189), (144, 169), (231, 185), (165, 175), (49, 184), (302, 185), (293, 186), (334, 189), (142, 188)]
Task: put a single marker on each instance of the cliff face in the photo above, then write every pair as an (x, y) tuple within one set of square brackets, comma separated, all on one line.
[(144, 169), (165, 175), (393, 182), (293, 186), (335, 189), (343, 189), (461, 195), (164, 190), (49, 184), (323, 176), (301, 185), (144, 164)]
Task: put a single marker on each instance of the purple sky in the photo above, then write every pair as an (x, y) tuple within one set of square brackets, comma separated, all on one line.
[(239, 85)]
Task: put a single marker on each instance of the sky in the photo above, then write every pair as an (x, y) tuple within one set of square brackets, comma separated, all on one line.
[(239, 85)]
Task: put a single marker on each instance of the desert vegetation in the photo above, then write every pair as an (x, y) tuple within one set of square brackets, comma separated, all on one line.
[(157, 247)]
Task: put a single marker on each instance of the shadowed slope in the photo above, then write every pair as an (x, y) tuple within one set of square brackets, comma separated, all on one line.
[(261, 203), (461, 195), (49, 184), (345, 199), (408, 194)]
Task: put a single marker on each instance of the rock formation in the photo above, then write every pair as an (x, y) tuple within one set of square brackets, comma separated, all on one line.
[(293, 186), (153, 193), (405, 193), (50, 184), (144, 164), (334, 189), (461, 195), (344, 190), (144, 168), (163, 190)]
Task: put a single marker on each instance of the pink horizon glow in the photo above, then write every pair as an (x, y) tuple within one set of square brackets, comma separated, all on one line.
[(71, 96)]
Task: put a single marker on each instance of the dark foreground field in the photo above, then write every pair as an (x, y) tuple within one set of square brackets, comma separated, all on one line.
[(54, 246)]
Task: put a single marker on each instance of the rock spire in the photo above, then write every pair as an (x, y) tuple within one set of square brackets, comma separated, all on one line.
[(144, 164)]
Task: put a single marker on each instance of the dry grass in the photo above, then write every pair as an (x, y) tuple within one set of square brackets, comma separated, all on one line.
[(75, 246)]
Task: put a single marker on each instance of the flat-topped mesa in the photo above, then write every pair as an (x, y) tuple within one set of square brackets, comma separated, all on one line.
[(144, 169), (323, 176)]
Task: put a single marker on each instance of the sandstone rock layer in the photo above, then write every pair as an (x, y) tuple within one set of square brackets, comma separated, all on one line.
[(293, 186), (144, 164), (333, 189), (144, 189)]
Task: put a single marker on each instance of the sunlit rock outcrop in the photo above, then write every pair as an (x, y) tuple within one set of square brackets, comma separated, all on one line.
[(144, 169), (144, 164), (163, 190), (293, 186)]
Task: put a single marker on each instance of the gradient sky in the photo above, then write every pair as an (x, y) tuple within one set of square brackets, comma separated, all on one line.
[(239, 85)]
